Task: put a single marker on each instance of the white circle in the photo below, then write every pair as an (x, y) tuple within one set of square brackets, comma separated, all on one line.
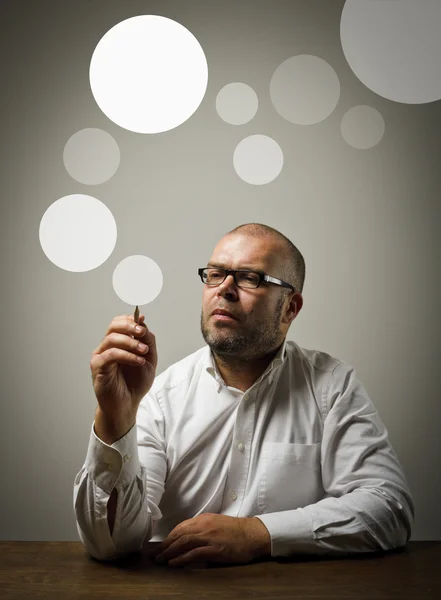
[(237, 103), (304, 89), (137, 280), (258, 159), (78, 233), (148, 74), (394, 47), (362, 127), (91, 156)]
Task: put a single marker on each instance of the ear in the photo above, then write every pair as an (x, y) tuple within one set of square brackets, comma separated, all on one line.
[(293, 308)]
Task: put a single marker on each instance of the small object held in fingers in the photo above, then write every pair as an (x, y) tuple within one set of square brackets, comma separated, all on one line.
[(136, 317)]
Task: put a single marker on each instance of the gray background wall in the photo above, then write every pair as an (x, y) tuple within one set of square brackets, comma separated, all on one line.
[(367, 223)]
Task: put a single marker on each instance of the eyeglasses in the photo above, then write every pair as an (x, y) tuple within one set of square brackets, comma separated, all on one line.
[(242, 278)]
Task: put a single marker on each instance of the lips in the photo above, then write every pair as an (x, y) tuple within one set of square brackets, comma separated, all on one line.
[(224, 313)]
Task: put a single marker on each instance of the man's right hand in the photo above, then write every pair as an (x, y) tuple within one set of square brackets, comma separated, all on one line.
[(119, 380)]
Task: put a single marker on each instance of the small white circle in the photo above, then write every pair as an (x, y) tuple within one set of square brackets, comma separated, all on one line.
[(137, 280), (78, 233), (304, 89), (241, 447), (91, 156), (237, 103), (233, 496), (148, 74), (258, 159), (362, 127), (394, 47)]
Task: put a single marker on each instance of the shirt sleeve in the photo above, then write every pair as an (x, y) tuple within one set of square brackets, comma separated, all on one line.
[(368, 504), (139, 486)]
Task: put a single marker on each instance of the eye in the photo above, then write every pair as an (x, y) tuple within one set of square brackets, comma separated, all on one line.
[(248, 277), (213, 274)]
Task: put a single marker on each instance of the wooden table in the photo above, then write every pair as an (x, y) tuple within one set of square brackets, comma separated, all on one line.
[(64, 571)]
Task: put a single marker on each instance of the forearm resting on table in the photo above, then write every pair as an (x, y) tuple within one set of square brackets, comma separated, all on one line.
[(109, 430)]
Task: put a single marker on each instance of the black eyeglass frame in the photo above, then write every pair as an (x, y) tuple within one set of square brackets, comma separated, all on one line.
[(262, 277)]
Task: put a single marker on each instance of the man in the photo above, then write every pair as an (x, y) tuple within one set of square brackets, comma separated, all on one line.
[(251, 446)]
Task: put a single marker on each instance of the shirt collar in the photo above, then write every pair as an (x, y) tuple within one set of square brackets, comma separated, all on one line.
[(209, 364)]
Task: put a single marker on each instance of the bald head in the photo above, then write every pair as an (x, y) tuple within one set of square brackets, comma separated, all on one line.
[(289, 261)]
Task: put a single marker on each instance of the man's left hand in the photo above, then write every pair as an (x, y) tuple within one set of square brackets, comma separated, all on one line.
[(214, 538)]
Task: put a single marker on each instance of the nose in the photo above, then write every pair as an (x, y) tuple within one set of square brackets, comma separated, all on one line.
[(228, 286)]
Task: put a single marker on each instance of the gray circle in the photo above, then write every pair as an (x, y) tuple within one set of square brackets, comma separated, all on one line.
[(91, 156), (258, 159), (394, 47), (237, 103), (362, 127), (304, 89)]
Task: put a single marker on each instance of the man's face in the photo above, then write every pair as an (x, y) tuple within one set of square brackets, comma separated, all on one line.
[(257, 330)]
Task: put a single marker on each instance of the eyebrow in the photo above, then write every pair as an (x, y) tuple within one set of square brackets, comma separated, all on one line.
[(246, 267)]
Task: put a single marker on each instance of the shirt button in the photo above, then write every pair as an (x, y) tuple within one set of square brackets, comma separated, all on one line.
[(127, 457), (110, 466), (233, 496), (241, 447)]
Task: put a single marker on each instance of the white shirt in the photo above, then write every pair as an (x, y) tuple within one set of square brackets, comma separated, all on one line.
[(303, 449)]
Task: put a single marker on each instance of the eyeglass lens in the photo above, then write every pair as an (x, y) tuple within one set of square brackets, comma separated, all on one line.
[(243, 278)]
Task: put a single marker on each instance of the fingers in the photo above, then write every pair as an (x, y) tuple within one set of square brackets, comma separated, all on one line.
[(198, 558), (183, 528), (183, 545), (125, 325), (105, 361), (148, 337), (124, 344)]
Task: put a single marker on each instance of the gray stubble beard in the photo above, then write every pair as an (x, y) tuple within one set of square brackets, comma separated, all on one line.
[(258, 342)]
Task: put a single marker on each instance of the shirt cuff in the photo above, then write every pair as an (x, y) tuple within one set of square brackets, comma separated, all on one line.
[(290, 532), (115, 465)]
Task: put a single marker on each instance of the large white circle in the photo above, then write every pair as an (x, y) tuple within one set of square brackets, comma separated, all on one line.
[(148, 74), (258, 159), (78, 233), (362, 127), (304, 89), (394, 47), (91, 156), (137, 280), (237, 103)]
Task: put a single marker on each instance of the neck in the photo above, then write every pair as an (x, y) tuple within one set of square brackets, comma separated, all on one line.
[(242, 373)]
